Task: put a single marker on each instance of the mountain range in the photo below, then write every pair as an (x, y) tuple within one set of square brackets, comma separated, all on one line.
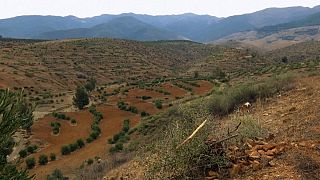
[(200, 28)]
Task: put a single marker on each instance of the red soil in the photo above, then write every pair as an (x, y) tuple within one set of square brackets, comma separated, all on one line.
[(174, 90), (205, 87), (110, 125), (144, 92)]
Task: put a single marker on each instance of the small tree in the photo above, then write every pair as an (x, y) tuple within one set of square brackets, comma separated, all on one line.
[(196, 74), (23, 153), (158, 104), (53, 157), (80, 143), (30, 162), (43, 159), (126, 125), (90, 161), (81, 97), (91, 85), (65, 150)]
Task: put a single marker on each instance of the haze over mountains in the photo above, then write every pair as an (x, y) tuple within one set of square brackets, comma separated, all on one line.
[(200, 28)]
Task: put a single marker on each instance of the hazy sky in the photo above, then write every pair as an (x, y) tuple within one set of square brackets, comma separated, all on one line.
[(88, 8)]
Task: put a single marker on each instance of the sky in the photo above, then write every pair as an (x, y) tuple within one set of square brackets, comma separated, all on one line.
[(89, 8)]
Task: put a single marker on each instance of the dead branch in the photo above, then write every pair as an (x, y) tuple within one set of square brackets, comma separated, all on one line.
[(194, 133), (237, 127), (222, 140)]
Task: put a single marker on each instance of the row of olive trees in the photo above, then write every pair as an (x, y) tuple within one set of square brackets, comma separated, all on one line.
[(14, 114)]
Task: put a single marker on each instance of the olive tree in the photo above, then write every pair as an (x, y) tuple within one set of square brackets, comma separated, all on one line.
[(14, 114)]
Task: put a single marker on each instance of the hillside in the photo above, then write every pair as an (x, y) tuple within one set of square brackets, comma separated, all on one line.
[(121, 28), (278, 36), (150, 96), (311, 20), (62, 64)]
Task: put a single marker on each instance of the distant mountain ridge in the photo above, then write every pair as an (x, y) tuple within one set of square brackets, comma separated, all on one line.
[(125, 27), (200, 28)]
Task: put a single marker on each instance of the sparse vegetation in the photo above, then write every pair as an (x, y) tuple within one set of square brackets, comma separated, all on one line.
[(52, 157), (224, 103), (55, 127), (43, 159), (30, 162), (56, 175), (65, 150), (95, 129), (158, 104)]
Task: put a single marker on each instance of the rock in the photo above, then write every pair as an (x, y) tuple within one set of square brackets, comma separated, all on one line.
[(256, 165), (258, 147), (270, 153), (303, 144), (261, 152), (254, 155), (235, 170), (213, 174), (272, 163), (292, 109), (248, 145), (233, 148), (267, 147)]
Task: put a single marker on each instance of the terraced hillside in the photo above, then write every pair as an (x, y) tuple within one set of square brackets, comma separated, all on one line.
[(62, 64)]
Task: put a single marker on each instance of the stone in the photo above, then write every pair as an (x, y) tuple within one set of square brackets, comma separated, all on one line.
[(272, 163), (261, 152), (267, 147), (235, 170), (254, 155), (213, 174), (303, 144), (270, 153), (256, 165)]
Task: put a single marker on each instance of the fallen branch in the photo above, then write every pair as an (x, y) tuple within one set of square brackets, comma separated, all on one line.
[(236, 129), (194, 133)]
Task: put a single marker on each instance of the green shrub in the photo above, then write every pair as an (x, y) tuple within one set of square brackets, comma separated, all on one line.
[(90, 161), (43, 159), (144, 114), (89, 139), (73, 121), (145, 97), (119, 146), (65, 150), (158, 104), (132, 109), (73, 147), (30, 162), (56, 175), (226, 102), (23, 153), (32, 149), (126, 125), (52, 157), (94, 134), (80, 143)]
